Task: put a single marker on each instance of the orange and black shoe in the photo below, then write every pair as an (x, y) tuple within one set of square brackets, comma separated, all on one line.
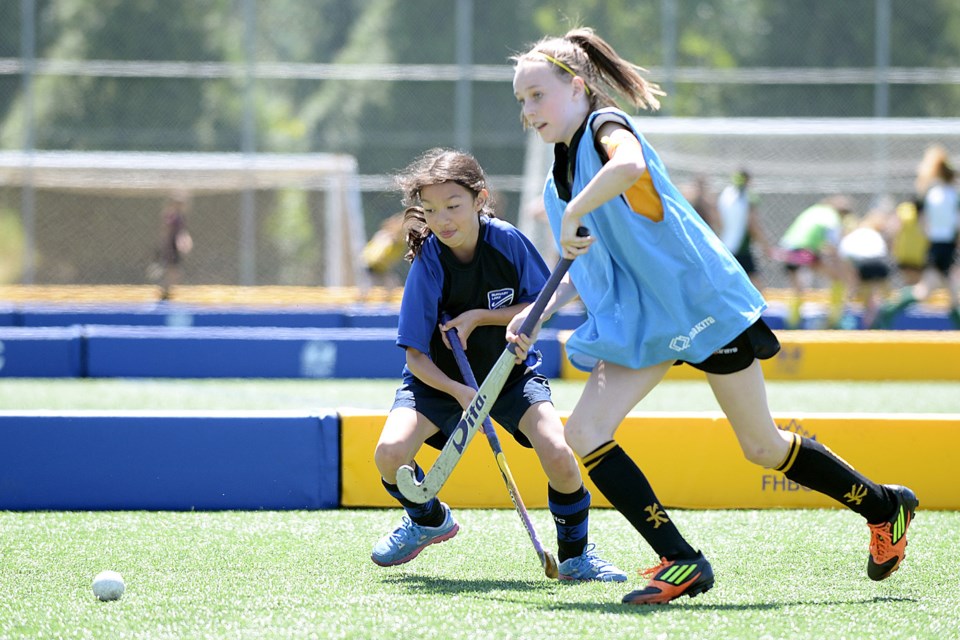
[(888, 539), (671, 579)]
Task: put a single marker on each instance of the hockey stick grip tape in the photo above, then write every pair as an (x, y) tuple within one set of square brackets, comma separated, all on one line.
[(533, 317)]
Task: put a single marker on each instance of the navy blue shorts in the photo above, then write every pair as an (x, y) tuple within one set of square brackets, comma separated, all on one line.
[(445, 412)]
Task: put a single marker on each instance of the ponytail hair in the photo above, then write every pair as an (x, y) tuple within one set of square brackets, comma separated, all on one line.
[(934, 166), (583, 53), (437, 166)]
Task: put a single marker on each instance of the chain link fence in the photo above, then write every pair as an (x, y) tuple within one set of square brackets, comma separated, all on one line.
[(383, 80)]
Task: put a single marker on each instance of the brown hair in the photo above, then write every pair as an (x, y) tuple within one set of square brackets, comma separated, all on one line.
[(437, 166), (593, 59), (934, 166)]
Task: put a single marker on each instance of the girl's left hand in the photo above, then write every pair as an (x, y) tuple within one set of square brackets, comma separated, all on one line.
[(571, 244)]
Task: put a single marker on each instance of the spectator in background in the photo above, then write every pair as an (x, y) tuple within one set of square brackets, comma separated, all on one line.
[(867, 257), (941, 223), (697, 193), (810, 246), (175, 242), (910, 244), (738, 224), (385, 250)]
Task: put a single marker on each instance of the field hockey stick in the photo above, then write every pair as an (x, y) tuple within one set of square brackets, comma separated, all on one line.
[(479, 407), (550, 567)]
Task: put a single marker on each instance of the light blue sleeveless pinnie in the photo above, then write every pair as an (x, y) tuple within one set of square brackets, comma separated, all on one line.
[(654, 291)]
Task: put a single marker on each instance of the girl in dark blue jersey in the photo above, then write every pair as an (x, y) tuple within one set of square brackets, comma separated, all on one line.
[(659, 287), (482, 271)]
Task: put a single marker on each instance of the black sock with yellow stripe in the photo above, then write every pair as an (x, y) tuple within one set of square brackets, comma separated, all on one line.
[(816, 467), (627, 489)]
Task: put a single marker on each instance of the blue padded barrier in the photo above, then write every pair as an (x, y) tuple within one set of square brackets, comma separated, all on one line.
[(548, 343), (567, 319), (174, 315), (233, 352), (368, 319), (169, 461), (913, 319), (920, 319), (46, 352), (293, 318)]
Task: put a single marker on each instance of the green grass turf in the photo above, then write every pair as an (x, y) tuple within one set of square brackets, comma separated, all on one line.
[(780, 573), (297, 574), (59, 394)]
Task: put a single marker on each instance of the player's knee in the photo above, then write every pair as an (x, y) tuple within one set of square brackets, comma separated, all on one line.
[(560, 464), (765, 455), (390, 456)]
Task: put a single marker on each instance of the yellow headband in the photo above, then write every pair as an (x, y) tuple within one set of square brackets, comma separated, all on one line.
[(564, 67)]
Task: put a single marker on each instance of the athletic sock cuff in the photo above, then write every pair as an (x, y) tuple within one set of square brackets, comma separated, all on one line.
[(594, 457)]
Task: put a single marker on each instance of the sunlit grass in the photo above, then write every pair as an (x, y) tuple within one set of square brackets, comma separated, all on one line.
[(100, 393), (780, 574)]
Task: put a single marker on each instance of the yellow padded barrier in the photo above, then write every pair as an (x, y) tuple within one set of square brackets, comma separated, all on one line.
[(692, 460), (843, 355)]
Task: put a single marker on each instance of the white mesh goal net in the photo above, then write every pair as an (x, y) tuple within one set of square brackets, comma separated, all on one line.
[(92, 217)]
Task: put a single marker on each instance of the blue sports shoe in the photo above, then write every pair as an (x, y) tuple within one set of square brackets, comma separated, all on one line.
[(405, 542), (590, 566)]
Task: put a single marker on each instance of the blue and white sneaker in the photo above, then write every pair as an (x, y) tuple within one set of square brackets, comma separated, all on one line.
[(405, 542), (590, 566)]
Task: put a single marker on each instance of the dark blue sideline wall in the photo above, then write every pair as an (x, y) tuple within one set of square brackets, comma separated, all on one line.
[(169, 461)]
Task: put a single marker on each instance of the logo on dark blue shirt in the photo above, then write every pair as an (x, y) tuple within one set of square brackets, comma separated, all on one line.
[(499, 298)]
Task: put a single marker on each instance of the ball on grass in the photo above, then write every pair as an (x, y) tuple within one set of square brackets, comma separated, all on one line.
[(108, 585)]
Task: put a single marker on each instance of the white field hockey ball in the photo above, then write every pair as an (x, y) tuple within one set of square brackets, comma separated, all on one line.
[(108, 585)]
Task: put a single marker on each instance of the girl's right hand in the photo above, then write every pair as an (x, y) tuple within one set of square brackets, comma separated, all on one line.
[(465, 323), (572, 243)]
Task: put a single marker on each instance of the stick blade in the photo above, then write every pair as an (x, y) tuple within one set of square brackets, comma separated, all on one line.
[(550, 566), (409, 487)]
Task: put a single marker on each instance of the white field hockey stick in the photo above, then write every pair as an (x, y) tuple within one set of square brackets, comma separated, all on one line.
[(479, 407), (550, 567)]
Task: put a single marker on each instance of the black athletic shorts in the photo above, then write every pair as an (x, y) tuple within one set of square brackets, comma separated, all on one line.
[(445, 412), (872, 270), (757, 342), (745, 258), (941, 256)]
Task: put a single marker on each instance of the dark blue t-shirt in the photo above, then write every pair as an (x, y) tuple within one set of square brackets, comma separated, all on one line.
[(506, 269)]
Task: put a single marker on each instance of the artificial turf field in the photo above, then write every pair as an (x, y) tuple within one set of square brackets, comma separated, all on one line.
[(307, 574)]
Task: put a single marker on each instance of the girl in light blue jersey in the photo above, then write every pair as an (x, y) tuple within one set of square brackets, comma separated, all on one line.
[(660, 288)]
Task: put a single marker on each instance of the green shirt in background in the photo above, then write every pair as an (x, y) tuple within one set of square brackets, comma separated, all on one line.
[(813, 228)]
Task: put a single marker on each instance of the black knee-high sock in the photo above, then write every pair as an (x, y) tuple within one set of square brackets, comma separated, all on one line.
[(816, 467), (429, 514), (627, 489), (571, 513)]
